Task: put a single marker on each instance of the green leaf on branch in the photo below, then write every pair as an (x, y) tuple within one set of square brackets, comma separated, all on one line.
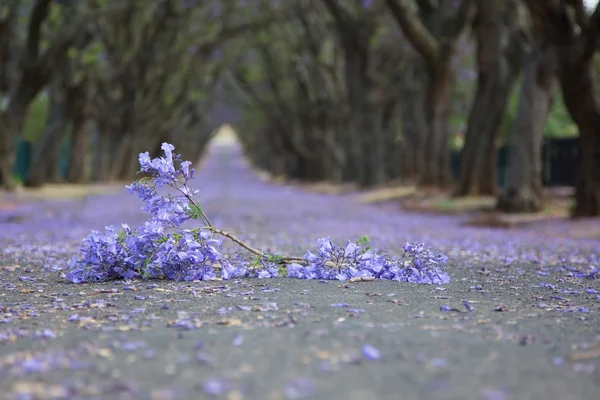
[(195, 212), (255, 262), (122, 235), (363, 240), (275, 259)]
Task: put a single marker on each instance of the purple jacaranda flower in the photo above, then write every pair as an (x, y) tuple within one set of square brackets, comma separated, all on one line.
[(238, 340), (185, 169), (370, 353), (214, 387), (204, 359), (48, 334), (153, 251), (339, 305), (351, 249), (438, 362), (468, 306)]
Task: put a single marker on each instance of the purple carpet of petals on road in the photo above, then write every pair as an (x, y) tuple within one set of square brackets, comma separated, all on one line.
[(561, 271), (191, 255)]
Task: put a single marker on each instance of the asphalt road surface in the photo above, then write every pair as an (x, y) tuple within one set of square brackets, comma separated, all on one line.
[(519, 319)]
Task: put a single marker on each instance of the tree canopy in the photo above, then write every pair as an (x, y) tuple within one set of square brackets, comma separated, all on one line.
[(366, 92)]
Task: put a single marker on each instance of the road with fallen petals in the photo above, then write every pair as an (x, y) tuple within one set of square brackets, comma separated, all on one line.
[(519, 319)]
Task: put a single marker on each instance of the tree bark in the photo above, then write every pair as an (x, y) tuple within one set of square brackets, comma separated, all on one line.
[(499, 55), (437, 171), (9, 129), (434, 35), (12, 120), (413, 121), (523, 188), (46, 151), (78, 151), (102, 153), (120, 155), (582, 99), (575, 36)]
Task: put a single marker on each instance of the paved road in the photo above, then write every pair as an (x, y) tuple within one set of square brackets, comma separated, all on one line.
[(530, 331)]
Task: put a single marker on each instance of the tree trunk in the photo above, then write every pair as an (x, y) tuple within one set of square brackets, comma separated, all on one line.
[(333, 156), (102, 153), (392, 146), (374, 144), (523, 188), (413, 121), (437, 171), (11, 125), (499, 54), (46, 151), (582, 99), (80, 140), (356, 94), (380, 134), (575, 36), (120, 155), (9, 129)]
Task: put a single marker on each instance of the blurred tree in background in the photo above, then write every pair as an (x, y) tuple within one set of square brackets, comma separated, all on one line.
[(369, 92)]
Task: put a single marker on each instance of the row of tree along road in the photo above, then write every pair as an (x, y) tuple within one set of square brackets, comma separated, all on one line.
[(369, 92)]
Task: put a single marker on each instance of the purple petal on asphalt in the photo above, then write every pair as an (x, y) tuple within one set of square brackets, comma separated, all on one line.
[(339, 305), (238, 340), (149, 353), (439, 362), (133, 345), (74, 317), (558, 360), (204, 359), (47, 333), (214, 387), (325, 366), (26, 279), (299, 389), (369, 352), (33, 365), (356, 310), (468, 306)]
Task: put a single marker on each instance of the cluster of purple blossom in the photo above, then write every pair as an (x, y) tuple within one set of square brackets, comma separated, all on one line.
[(418, 264), (153, 252)]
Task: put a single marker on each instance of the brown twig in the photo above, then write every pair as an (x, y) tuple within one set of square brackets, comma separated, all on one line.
[(282, 260)]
